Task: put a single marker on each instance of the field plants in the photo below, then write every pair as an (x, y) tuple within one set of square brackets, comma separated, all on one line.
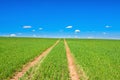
[(100, 59), (15, 52), (53, 67)]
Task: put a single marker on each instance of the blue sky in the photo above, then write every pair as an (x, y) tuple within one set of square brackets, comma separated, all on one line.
[(60, 18)]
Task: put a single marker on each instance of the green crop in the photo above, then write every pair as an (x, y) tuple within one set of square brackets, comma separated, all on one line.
[(15, 52), (53, 67), (100, 59)]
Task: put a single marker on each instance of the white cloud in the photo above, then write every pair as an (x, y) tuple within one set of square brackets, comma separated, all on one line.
[(33, 30), (27, 27), (107, 26), (77, 31), (40, 28), (12, 35), (69, 27)]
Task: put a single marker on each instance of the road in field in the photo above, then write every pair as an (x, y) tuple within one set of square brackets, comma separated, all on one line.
[(31, 64), (99, 59), (71, 65)]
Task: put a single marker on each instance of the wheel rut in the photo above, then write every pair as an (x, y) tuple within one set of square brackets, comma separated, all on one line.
[(71, 64), (27, 66)]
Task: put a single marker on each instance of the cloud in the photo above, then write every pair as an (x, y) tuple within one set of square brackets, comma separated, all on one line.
[(12, 35), (107, 26), (26, 27), (69, 27), (77, 31), (40, 28), (33, 30)]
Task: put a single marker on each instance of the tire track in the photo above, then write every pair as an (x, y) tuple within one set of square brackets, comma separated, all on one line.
[(27, 66), (71, 65)]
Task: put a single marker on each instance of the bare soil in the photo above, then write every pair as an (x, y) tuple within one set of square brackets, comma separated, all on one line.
[(71, 64), (27, 66)]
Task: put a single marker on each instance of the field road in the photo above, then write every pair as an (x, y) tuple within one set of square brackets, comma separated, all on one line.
[(71, 65), (32, 63)]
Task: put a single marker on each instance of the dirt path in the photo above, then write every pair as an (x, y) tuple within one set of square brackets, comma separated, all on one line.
[(71, 65), (32, 63)]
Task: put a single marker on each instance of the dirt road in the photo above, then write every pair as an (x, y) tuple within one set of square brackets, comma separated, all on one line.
[(32, 63), (71, 65)]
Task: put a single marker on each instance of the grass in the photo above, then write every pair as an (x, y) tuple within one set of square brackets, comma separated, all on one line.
[(100, 59), (53, 67), (15, 52)]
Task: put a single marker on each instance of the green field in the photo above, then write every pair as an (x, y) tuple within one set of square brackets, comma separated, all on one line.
[(14, 52), (53, 67), (99, 59)]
